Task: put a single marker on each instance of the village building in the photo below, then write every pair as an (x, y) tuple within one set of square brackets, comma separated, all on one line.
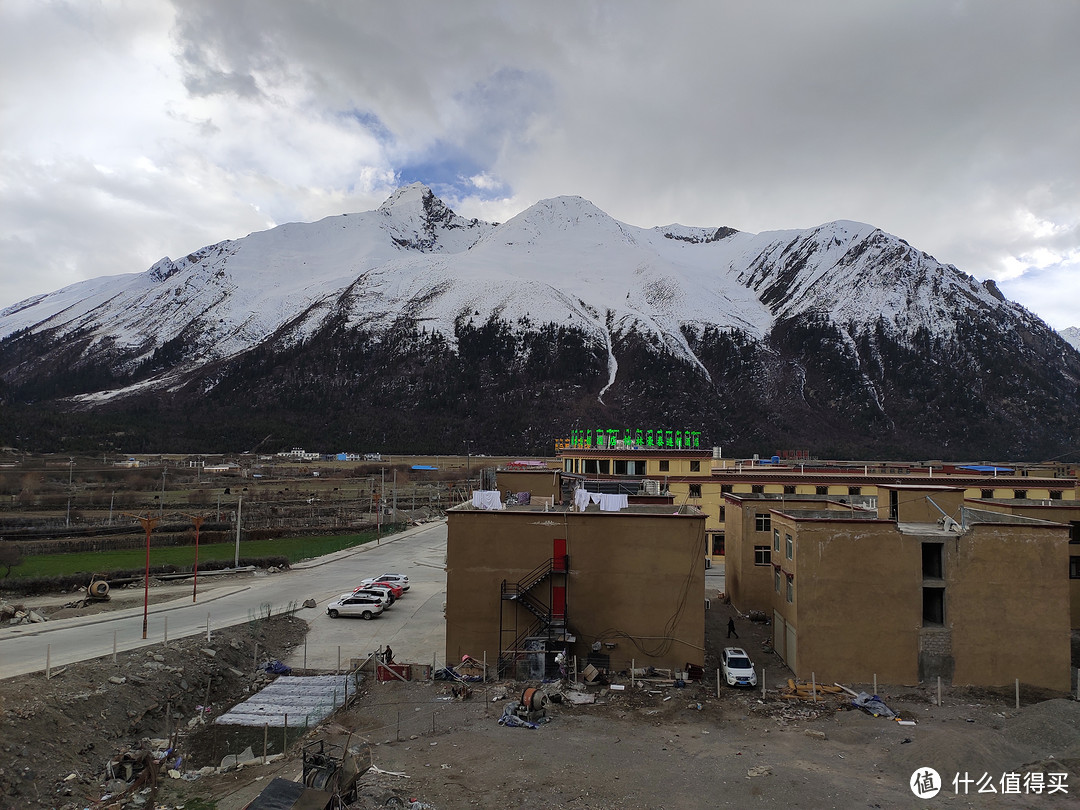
[(613, 586)]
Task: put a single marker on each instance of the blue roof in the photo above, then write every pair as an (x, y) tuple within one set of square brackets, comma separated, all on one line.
[(423, 467), (984, 468)]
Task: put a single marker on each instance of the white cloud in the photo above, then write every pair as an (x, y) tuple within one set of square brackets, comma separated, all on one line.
[(142, 128)]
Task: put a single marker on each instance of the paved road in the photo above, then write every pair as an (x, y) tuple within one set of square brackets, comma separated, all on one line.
[(414, 626)]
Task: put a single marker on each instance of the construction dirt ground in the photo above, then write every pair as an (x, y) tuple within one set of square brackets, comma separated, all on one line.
[(653, 745)]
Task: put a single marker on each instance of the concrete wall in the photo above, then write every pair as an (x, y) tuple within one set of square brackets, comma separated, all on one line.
[(634, 577), (1065, 512), (747, 584), (858, 609), (1008, 605), (540, 483), (914, 506)]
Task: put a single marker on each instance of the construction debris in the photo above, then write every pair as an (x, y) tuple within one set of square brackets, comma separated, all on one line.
[(809, 691)]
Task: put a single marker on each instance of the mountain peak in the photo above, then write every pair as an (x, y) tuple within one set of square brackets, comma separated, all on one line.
[(410, 196), (421, 221)]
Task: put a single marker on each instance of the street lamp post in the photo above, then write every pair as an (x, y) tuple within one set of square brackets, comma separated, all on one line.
[(148, 523)]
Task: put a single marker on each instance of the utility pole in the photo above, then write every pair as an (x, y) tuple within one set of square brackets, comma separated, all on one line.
[(198, 521), (236, 559), (67, 520), (161, 505)]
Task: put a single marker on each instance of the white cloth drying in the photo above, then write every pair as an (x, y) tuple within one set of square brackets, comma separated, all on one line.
[(487, 499)]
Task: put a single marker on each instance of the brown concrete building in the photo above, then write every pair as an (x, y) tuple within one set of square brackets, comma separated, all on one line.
[(753, 543), (703, 478), (610, 587), (1057, 511), (978, 601)]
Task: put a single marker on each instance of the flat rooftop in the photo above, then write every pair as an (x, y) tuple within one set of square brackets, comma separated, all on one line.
[(593, 509)]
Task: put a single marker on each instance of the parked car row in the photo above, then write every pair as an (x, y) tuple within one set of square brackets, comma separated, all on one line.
[(370, 598)]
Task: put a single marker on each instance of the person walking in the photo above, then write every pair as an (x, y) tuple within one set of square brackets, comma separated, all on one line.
[(731, 628)]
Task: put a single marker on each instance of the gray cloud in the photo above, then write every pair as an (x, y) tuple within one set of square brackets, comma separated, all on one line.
[(950, 124)]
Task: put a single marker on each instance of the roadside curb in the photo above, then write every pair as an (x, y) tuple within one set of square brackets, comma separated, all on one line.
[(27, 630), (340, 555)]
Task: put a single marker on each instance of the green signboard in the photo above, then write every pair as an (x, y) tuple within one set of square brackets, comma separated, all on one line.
[(632, 439)]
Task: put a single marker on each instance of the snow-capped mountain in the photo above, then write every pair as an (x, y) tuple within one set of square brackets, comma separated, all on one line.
[(842, 308), (1072, 336)]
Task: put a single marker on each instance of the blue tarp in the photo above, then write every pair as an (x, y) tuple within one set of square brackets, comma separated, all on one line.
[(984, 468)]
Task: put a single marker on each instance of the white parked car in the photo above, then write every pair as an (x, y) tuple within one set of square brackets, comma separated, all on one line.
[(351, 604), (400, 580), (385, 597), (737, 668)]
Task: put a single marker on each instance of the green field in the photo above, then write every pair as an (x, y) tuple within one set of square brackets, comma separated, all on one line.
[(294, 548)]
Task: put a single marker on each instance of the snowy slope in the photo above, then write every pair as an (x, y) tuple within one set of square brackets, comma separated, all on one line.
[(561, 261), (1072, 336)]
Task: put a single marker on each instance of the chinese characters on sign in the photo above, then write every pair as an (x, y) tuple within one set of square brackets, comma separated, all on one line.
[(927, 783), (658, 439)]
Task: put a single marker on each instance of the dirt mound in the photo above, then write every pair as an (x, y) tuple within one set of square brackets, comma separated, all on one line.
[(87, 713), (1049, 729)]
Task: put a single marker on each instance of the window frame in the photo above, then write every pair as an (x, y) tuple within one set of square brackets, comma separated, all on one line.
[(762, 555)]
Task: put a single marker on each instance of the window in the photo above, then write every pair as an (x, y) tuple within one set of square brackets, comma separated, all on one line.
[(757, 488), (695, 490), (723, 513), (821, 490), (776, 579), (724, 488), (588, 466), (933, 606), (1019, 493), (568, 465), (776, 541), (1055, 494), (762, 555), (665, 465), (789, 489), (1074, 567), (762, 522), (986, 493), (789, 546), (933, 563), (695, 466), (854, 490), (620, 466), (790, 588), (718, 544), (605, 466)]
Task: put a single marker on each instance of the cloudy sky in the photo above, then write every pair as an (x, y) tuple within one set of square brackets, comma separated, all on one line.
[(135, 129)]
